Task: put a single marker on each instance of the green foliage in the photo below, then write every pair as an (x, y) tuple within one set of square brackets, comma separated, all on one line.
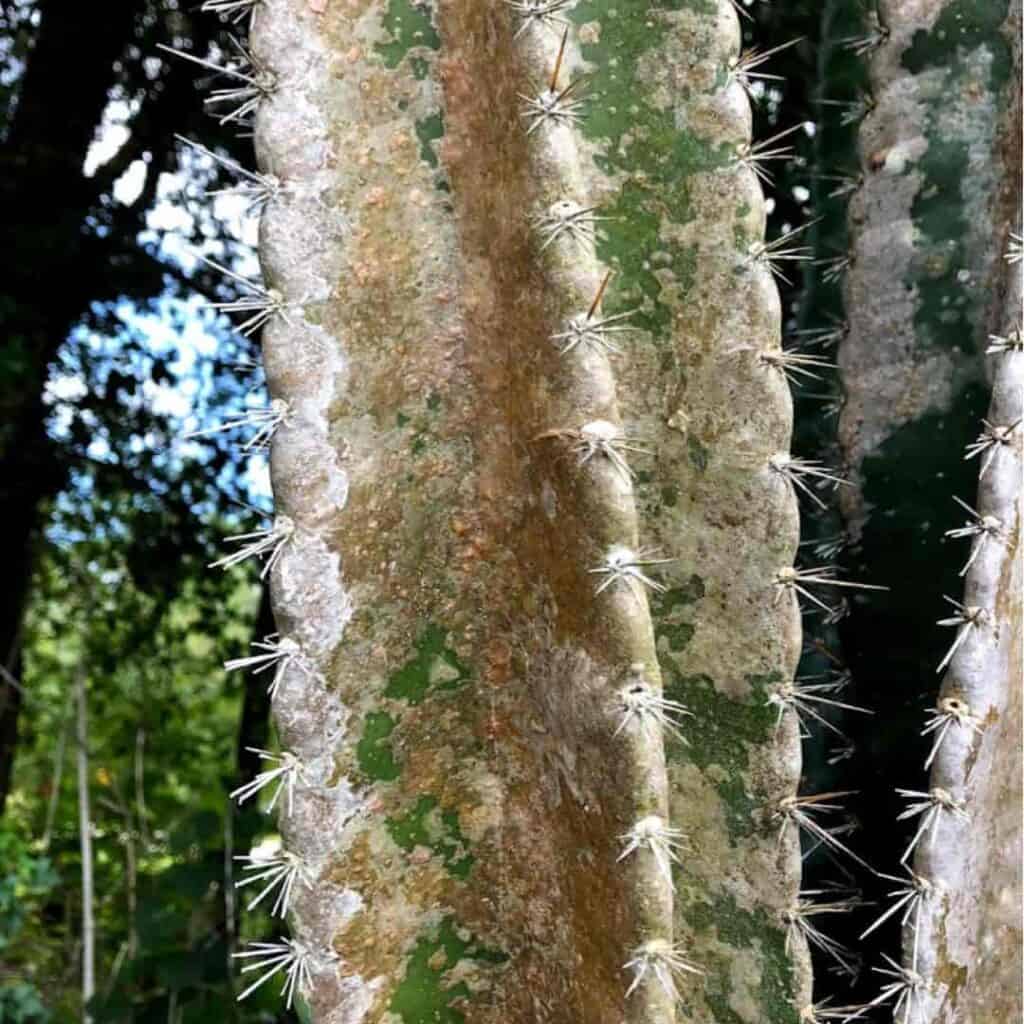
[(20, 1003), (163, 722), (28, 879)]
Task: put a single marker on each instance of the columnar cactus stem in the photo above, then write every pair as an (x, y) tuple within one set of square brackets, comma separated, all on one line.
[(488, 829), (978, 761), (929, 227), (928, 284)]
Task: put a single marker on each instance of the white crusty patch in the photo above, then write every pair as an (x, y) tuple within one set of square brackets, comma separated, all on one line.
[(303, 235)]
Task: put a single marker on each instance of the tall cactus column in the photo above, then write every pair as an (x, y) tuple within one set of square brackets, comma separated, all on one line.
[(934, 311), (531, 532), (965, 945)]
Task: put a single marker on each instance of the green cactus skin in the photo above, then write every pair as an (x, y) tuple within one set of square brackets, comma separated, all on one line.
[(941, 153), (466, 790)]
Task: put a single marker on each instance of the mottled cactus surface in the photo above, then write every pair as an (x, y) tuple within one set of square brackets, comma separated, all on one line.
[(534, 514), (537, 516), (934, 307)]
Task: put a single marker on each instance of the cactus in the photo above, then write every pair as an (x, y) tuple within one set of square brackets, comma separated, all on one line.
[(536, 516), (975, 752), (928, 284)]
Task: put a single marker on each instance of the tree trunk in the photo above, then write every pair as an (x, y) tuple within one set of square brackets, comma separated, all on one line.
[(44, 199), (59, 255), (477, 803), (928, 285)]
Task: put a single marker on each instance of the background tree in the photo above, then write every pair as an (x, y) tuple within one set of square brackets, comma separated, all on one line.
[(111, 520), (87, 140)]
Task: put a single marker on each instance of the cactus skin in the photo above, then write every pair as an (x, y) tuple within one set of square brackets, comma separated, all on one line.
[(969, 947), (941, 155), (714, 417), (466, 794)]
